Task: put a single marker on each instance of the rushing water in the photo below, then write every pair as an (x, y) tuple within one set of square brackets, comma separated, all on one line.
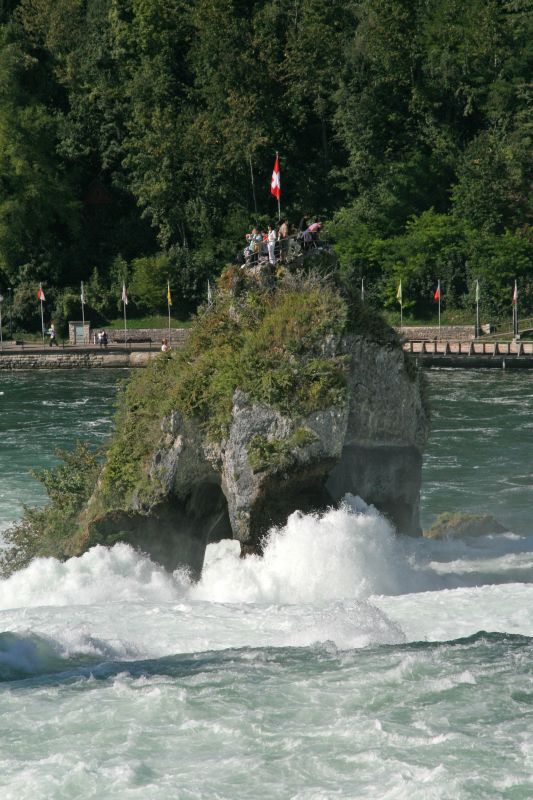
[(346, 663)]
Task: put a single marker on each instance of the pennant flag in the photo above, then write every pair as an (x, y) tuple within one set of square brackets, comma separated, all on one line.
[(275, 184), (399, 293), (124, 295), (40, 294), (169, 296), (209, 293), (82, 295), (515, 294), (477, 291), (436, 296)]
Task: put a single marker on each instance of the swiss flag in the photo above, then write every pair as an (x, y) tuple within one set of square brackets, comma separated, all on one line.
[(275, 184), (40, 293), (436, 296)]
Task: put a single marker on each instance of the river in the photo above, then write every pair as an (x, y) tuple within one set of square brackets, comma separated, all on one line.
[(346, 663)]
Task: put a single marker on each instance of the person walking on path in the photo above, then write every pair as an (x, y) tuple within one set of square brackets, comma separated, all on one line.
[(52, 335)]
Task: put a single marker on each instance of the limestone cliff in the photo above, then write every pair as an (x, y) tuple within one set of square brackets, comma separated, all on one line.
[(284, 399)]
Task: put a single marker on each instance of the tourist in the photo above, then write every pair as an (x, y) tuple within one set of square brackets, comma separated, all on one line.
[(283, 234), (271, 245), (165, 347), (103, 339), (52, 335), (254, 240)]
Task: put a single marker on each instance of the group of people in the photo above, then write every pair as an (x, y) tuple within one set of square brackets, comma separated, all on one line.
[(275, 242), (101, 338)]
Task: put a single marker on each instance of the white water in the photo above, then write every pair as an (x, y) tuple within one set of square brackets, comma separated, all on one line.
[(348, 662)]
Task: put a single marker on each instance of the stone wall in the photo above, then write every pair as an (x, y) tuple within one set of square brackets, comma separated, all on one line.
[(457, 333), (178, 336), (74, 360)]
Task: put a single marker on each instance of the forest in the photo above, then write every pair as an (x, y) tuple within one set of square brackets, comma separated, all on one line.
[(130, 131)]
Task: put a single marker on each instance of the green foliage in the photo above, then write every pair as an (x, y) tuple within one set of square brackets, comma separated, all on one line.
[(48, 531), (129, 129), (264, 453)]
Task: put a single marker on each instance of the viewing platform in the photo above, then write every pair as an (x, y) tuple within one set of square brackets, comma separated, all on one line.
[(472, 354)]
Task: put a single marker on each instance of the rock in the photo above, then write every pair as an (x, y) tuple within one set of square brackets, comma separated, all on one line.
[(459, 525), (353, 420)]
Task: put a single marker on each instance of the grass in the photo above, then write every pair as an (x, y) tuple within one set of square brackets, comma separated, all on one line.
[(448, 317), (148, 322)]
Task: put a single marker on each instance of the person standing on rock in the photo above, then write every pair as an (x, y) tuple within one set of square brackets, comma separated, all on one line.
[(271, 245), (52, 335)]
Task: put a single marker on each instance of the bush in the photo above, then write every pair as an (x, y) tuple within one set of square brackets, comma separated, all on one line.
[(48, 531)]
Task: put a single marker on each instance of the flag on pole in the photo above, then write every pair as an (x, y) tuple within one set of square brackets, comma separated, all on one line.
[(124, 297), (399, 297), (209, 293), (40, 294), (477, 291), (82, 295), (515, 294), (169, 296), (436, 296), (275, 184)]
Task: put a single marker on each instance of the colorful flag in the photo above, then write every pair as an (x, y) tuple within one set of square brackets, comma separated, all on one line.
[(515, 294), (124, 295), (436, 296), (399, 293), (275, 184), (40, 294), (169, 296)]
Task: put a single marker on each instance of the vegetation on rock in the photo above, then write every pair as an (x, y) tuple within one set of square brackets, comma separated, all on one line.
[(267, 343)]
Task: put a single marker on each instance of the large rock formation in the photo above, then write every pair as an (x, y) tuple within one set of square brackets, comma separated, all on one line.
[(272, 460)]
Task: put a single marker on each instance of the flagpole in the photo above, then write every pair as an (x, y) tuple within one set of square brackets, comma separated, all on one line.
[(168, 306), (439, 305), (515, 308), (279, 193), (83, 311), (42, 313), (124, 303), (477, 311), (253, 183), (362, 290)]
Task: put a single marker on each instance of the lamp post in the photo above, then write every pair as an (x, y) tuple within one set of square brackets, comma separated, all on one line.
[(10, 290)]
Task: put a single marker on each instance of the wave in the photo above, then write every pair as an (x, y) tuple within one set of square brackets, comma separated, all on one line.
[(24, 655), (346, 553)]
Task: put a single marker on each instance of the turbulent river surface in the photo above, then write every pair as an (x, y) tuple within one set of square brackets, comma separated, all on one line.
[(347, 663)]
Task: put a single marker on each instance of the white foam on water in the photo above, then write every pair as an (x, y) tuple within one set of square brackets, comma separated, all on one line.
[(102, 575), (349, 552)]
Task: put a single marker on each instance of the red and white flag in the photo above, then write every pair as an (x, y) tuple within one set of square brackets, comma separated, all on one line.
[(436, 296), (515, 294), (40, 294), (275, 184)]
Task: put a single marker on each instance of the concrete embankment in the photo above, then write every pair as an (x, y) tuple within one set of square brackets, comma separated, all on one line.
[(75, 359)]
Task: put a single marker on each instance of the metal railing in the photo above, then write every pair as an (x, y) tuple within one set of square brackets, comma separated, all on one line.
[(472, 348)]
